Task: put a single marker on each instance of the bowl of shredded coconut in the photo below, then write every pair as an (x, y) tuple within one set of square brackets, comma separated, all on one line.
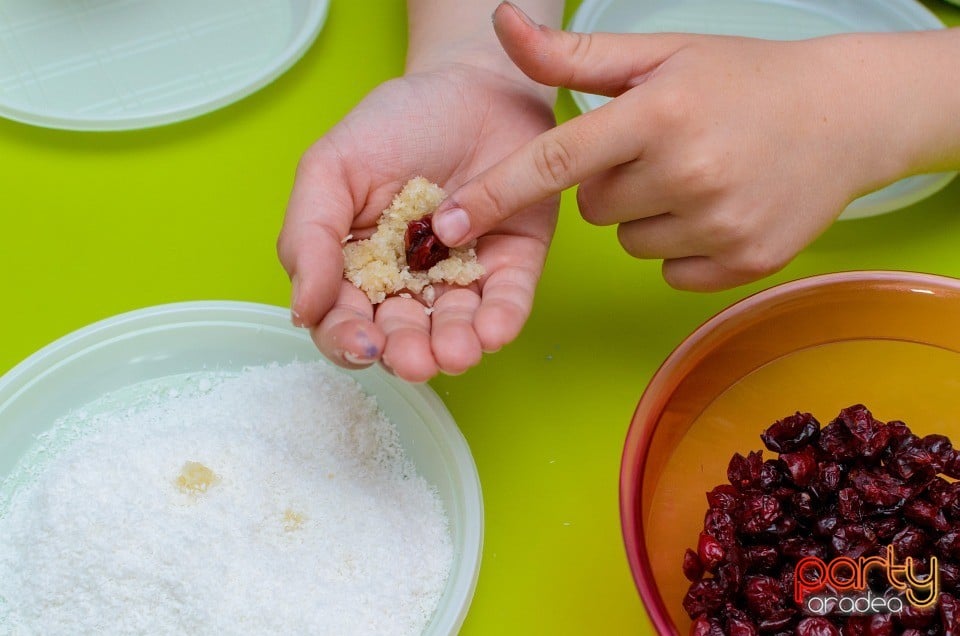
[(197, 468)]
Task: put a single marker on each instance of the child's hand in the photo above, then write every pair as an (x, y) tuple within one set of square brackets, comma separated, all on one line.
[(446, 124), (723, 156)]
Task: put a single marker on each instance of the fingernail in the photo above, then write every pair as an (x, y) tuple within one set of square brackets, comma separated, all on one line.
[(294, 297), (451, 226), (523, 16), (353, 358)]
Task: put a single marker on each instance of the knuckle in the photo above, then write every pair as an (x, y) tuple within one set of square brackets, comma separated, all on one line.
[(728, 230), (579, 47), (315, 158), (486, 199), (756, 262), (705, 172), (586, 203), (669, 107), (286, 252), (628, 241), (580, 44), (554, 162), (308, 163), (281, 246)]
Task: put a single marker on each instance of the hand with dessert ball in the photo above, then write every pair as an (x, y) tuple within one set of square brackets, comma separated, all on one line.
[(461, 107)]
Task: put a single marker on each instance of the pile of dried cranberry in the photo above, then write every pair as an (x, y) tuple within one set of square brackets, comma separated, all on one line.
[(848, 489)]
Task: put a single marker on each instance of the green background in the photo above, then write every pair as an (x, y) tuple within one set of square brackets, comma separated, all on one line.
[(97, 224)]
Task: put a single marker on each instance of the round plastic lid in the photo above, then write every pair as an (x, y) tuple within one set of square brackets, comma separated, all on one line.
[(126, 64), (775, 20)]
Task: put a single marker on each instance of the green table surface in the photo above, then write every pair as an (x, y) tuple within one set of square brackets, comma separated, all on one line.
[(98, 224)]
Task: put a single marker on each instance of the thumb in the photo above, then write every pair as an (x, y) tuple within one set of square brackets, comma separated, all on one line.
[(545, 166), (603, 63), (608, 136)]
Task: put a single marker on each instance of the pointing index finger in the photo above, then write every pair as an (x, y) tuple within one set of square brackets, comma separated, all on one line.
[(550, 163)]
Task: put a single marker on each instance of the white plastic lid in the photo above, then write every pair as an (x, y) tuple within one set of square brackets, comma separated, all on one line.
[(775, 20), (125, 64)]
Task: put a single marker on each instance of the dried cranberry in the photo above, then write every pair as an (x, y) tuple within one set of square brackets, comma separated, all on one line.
[(860, 422), (826, 525), (801, 466), (926, 514), (741, 627), (784, 493), (917, 618), (949, 613), (941, 492), (763, 594), (786, 579), (876, 447), (816, 626), (875, 625), (724, 497), (900, 434), (777, 621), (837, 443), (880, 625), (759, 513), (771, 475), (720, 525), (952, 467), (912, 461), (856, 626), (692, 567), (709, 551), (940, 449), (850, 504), (949, 545), (732, 612), (423, 248), (878, 488), (704, 626), (784, 526), (703, 597), (730, 575), (886, 527), (761, 558), (829, 475), (797, 548), (910, 542), (950, 577), (803, 505), (953, 508), (744, 472), (791, 433), (854, 541)]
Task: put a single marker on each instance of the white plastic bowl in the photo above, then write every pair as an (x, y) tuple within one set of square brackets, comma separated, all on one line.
[(167, 340), (774, 20)]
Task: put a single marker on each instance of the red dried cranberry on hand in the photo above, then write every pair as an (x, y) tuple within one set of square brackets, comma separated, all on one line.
[(423, 248)]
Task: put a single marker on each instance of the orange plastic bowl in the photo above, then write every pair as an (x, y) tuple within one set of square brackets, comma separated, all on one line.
[(889, 340)]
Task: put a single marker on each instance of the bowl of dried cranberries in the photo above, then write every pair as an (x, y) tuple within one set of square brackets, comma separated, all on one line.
[(790, 468)]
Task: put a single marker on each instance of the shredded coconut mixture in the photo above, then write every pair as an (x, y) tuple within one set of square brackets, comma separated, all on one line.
[(378, 265), (278, 501)]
